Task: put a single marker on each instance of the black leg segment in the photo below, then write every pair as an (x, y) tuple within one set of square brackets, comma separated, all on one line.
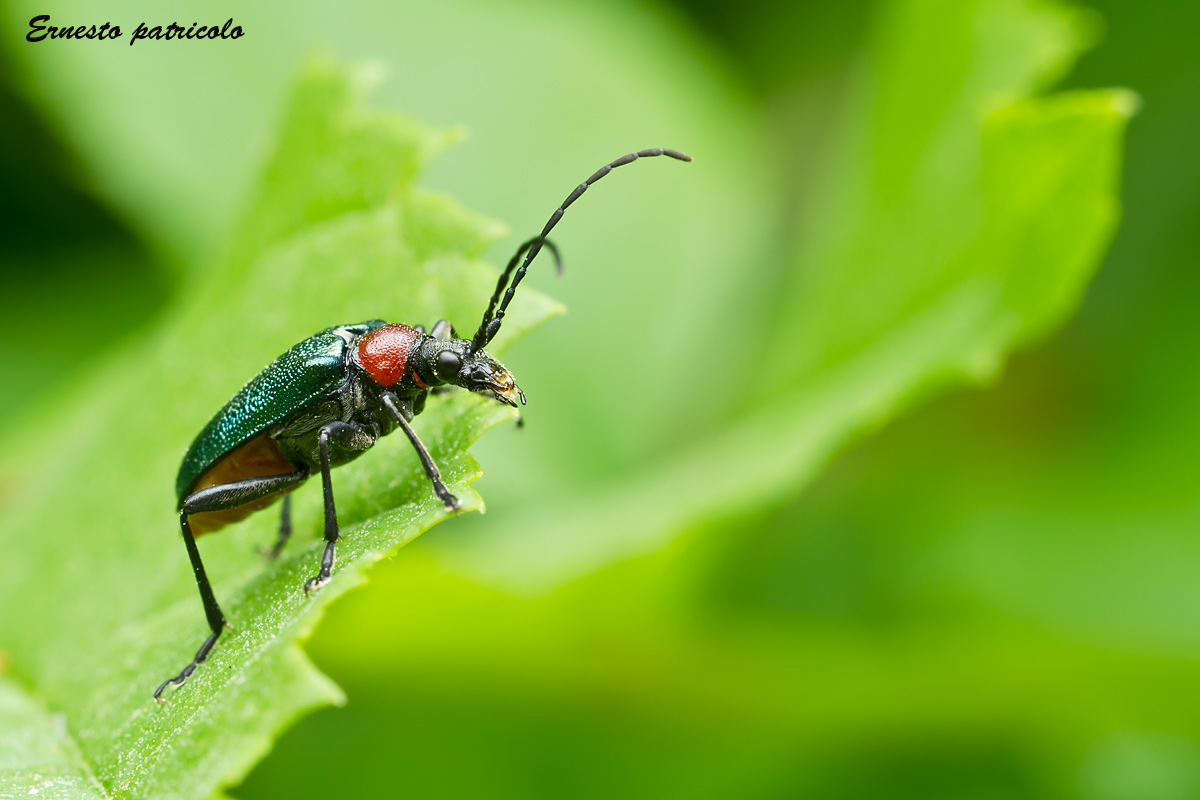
[(350, 437), (431, 469), (219, 498), (285, 529)]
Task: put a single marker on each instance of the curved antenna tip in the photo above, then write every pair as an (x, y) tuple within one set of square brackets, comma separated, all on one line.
[(493, 316)]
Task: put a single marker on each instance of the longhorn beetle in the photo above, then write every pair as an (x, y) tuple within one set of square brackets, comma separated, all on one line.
[(326, 401)]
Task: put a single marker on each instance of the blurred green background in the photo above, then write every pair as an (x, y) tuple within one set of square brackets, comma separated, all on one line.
[(993, 596)]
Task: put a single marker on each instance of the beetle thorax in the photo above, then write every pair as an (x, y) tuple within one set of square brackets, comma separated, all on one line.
[(384, 352)]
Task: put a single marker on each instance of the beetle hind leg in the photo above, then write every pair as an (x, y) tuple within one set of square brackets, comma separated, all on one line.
[(212, 611), (222, 497)]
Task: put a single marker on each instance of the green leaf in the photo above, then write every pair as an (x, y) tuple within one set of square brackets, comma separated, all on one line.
[(962, 217), (36, 753), (97, 601)]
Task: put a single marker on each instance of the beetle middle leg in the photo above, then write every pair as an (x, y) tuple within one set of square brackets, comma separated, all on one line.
[(222, 497), (285, 530), (350, 437)]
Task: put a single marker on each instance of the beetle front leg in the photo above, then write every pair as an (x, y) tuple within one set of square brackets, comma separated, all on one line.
[(352, 438), (431, 469)]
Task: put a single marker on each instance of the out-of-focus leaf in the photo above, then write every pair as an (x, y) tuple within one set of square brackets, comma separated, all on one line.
[(97, 601), (37, 757), (604, 679), (952, 232)]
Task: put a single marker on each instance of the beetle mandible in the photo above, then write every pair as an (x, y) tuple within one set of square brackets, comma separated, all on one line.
[(326, 401)]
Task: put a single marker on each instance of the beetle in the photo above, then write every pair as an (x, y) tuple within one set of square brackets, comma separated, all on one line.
[(326, 401)]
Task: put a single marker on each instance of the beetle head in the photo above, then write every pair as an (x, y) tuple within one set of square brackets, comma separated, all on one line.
[(456, 362)]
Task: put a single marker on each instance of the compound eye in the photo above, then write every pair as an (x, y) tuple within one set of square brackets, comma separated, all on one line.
[(448, 363)]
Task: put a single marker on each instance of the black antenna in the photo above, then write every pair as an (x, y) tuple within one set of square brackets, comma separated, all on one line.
[(490, 325), (512, 264)]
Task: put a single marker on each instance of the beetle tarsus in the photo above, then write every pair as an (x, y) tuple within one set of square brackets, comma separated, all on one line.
[(451, 502), (315, 583), (182, 677)]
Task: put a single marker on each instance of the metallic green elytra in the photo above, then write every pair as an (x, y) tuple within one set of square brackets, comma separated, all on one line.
[(312, 368), (326, 401)]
